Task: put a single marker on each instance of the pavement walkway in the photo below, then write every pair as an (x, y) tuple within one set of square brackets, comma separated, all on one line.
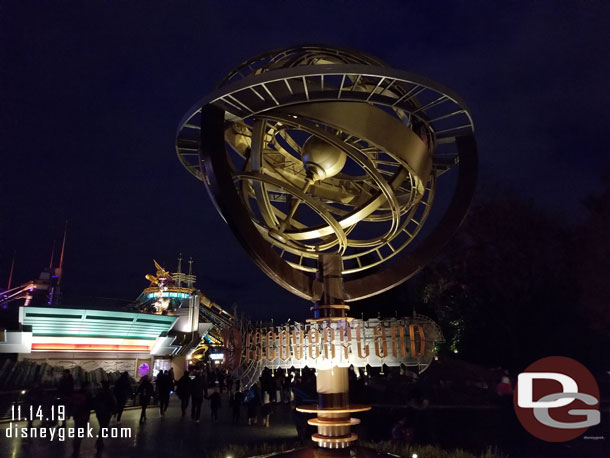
[(172, 436)]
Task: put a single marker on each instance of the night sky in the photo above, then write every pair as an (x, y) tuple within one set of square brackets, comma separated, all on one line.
[(91, 94)]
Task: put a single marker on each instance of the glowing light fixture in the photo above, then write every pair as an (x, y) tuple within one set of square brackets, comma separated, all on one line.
[(88, 347)]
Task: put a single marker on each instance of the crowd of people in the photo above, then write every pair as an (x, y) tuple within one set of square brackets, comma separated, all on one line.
[(408, 397), (192, 388), (79, 403), (258, 400)]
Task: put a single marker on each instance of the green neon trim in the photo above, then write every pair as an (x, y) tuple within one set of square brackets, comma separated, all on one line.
[(97, 324), (63, 334), (145, 320), (51, 315), (109, 318)]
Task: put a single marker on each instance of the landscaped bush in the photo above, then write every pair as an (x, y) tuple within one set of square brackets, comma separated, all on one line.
[(429, 451), (250, 450), (403, 450)]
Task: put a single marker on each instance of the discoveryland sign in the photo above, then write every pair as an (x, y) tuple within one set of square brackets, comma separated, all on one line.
[(341, 343)]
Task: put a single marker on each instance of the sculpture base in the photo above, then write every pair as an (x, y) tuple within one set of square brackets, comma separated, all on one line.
[(318, 452)]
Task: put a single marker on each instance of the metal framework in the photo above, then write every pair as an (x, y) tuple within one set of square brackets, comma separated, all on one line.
[(324, 162), (326, 150)]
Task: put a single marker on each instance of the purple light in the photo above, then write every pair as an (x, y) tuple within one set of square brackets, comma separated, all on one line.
[(144, 369)]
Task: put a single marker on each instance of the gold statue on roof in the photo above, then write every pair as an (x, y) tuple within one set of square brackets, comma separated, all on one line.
[(162, 277)]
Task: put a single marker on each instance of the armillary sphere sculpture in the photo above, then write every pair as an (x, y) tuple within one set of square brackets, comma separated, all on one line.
[(324, 162)]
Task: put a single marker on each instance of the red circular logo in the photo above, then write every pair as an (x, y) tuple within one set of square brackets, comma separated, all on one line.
[(556, 399)]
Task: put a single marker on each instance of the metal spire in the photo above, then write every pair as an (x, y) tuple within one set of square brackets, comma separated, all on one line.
[(10, 275), (190, 277), (52, 256), (179, 272), (61, 257)]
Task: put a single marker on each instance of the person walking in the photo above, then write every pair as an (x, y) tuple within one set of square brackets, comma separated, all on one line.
[(236, 401), (286, 389), (146, 391), (301, 393), (33, 401), (220, 380), (229, 383), (183, 390), (122, 392), (81, 404), (215, 403), (252, 402), (65, 391), (267, 408), (197, 387), (208, 380), (163, 389), (172, 380), (105, 405)]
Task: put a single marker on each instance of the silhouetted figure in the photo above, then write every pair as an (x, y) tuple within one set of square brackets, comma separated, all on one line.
[(236, 401), (65, 391), (402, 433), (163, 389), (183, 390), (197, 387), (301, 393), (286, 390), (172, 380), (220, 380), (206, 381), (214, 404), (504, 389), (253, 400), (267, 408), (105, 405), (81, 405), (33, 400), (122, 391), (146, 391), (229, 383), (504, 392)]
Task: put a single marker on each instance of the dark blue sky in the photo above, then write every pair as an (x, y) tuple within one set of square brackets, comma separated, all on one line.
[(91, 94)]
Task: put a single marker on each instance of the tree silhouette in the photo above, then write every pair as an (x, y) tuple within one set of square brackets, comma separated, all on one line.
[(507, 290)]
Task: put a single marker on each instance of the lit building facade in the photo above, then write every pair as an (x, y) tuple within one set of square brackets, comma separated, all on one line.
[(92, 339), (169, 325)]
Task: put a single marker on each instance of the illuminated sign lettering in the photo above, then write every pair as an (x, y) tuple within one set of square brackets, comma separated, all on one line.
[(394, 342)]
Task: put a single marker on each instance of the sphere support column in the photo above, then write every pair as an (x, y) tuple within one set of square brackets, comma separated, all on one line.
[(333, 422)]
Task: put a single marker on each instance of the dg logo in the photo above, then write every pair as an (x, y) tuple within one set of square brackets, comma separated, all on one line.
[(557, 399)]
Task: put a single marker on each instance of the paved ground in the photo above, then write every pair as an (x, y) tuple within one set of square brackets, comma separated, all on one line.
[(172, 436)]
